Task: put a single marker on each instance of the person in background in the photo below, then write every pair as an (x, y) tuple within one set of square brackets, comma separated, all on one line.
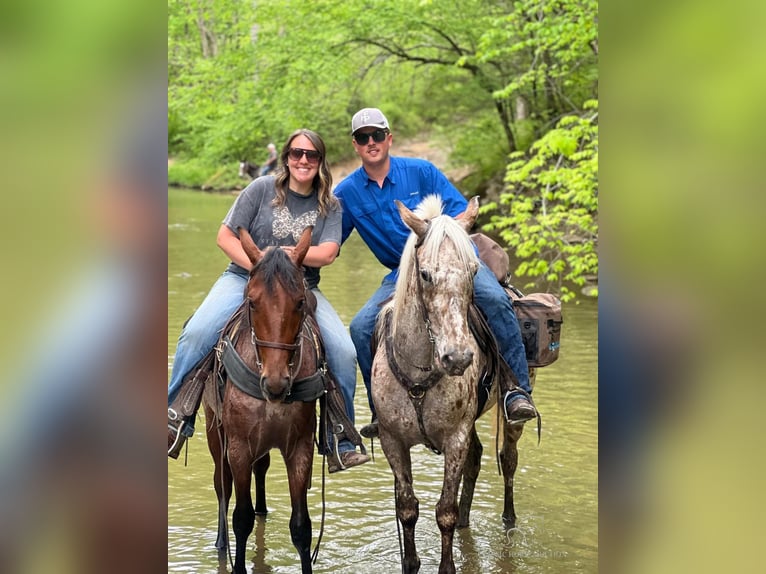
[(367, 196), (275, 209), (271, 162)]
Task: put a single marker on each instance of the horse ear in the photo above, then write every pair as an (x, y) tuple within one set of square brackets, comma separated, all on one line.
[(470, 214), (302, 247), (251, 249), (411, 220)]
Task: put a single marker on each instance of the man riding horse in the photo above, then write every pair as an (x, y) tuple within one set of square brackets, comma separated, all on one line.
[(367, 196)]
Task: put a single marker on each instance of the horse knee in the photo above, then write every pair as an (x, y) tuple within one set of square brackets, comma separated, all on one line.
[(408, 510), (446, 517)]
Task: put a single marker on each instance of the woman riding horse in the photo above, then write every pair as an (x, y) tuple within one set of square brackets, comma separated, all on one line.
[(275, 210)]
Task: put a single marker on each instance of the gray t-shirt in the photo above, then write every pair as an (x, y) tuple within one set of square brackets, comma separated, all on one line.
[(283, 225)]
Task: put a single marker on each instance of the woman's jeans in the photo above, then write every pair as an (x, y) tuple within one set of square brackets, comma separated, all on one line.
[(490, 298), (202, 331)]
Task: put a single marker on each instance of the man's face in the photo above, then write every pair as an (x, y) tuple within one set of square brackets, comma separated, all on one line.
[(374, 146)]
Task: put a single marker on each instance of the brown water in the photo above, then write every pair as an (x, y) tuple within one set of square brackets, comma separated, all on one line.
[(556, 482)]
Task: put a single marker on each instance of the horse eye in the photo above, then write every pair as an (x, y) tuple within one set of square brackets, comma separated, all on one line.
[(301, 304), (425, 275)]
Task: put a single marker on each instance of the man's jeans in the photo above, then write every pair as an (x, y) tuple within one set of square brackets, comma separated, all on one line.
[(202, 331), (490, 298)]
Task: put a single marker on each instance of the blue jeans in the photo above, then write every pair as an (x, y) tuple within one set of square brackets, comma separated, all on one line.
[(496, 306), (340, 355), (490, 298), (202, 331)]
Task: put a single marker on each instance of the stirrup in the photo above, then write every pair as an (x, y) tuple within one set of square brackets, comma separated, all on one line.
[(180, 438), (517, 423), (521, 392)]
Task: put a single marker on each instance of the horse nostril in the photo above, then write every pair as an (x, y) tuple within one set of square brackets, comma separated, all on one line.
[(275, 388), (455, 362)]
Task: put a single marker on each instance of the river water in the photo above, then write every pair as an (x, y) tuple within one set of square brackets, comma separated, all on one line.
[(556, 482)]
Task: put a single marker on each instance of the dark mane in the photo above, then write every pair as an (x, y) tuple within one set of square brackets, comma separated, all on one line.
[(276, 267)]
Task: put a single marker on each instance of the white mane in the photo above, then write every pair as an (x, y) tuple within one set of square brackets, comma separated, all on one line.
[(440, 228), (430, 207)]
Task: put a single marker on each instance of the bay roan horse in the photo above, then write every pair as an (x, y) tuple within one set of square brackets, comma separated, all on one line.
[(426, 372), (276, 345)]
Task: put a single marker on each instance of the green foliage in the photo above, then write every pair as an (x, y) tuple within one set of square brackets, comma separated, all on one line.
[(490, 77), (188, 173), (554, 45), (195, 173), (549, 211), (243, 74)]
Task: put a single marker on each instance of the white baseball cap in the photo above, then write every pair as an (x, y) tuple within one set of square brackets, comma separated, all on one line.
[(368, 117)]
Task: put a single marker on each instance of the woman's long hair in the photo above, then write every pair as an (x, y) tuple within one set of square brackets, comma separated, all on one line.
[(322, 183)]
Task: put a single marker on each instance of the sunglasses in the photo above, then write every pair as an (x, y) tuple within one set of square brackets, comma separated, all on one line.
[(377, 136), (296, 153)]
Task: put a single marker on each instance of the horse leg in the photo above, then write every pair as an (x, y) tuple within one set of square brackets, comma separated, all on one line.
[(470, 474), (406, 503), (244, 515), (509, 460), (221, 477), (259, 470), (298, 475), (446, 508)]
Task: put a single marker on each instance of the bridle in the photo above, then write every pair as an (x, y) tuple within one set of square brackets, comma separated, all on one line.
[(295, 347), (416, 389), (422, 303)]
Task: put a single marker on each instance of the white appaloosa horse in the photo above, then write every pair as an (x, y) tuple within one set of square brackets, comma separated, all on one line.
[(427, 370)]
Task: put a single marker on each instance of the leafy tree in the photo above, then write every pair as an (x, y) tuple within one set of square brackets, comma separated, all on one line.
[(489, 76), (548, 213), (533, 61), (242, 74)]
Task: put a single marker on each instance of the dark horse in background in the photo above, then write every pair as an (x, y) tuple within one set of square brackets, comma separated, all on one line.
[(426, 374), (275, 339), (247, 169)]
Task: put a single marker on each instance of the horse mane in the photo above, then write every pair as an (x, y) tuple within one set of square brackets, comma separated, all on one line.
[(276, 267), (440, 228)]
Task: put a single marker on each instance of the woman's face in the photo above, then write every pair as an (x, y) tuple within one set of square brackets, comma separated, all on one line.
[(303, 166)]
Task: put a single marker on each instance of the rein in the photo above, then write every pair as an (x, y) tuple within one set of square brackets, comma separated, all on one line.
[(416, 390)]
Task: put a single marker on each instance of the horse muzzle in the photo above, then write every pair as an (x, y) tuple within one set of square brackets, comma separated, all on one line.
[(276, 389), (455, 362)]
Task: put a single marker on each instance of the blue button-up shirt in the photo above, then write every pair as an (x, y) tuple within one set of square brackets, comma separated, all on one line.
[(371, 210)]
